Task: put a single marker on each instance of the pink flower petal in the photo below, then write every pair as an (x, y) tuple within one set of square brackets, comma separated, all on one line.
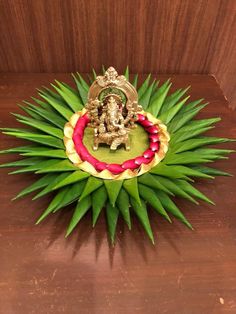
[(154, 146), (79, 130), (93, 161), (148, 153), (140, 160), (154, 138), (83, 152), (78, 142), (146, 123), (115, 168), (152, 130), (129, 164), (86, 118), (100, 166), (141, 117)]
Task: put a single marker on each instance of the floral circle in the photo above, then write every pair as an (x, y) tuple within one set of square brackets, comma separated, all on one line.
[(81, 157)]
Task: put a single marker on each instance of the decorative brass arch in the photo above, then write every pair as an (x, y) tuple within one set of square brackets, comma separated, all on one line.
[(112, 80)]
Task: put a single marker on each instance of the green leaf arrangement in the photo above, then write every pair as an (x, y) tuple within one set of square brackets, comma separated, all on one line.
[(188, 151)]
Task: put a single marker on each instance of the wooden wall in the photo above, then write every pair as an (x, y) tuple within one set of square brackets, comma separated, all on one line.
[(161, 36)]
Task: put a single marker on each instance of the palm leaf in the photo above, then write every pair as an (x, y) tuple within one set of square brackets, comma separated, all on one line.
[(80, 210), (112, 215), (123, 206), (131, 187), (99, 198), (113, 188), (141, 212)]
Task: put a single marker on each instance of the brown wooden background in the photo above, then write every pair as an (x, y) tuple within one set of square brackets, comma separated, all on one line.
[(159, 36)]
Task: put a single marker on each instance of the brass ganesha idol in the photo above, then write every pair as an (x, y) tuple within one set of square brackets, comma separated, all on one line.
[(112, 108)]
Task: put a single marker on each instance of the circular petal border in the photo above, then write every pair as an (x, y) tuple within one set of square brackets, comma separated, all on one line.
[(87, 166)]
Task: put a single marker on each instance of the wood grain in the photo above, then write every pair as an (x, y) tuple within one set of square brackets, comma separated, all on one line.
[(158, 36), (187, 272)]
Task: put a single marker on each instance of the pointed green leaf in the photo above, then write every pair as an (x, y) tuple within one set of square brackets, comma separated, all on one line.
[(174, 187), (82, 91), (31, 113), (51, 184), (83, 82), (92, 185), (214, 151), (60, 166), (44, 105), (42, 126), (168, 115), (140, 210), (211, 171), (73, 193), (39, 165), (184, 158), (54, 203), (42, 182), (183, 136), (112, 214), (66, 113), (167, 171), (188, 188), (113, 188), (192, 105), (145, 99), (195, 143), (71, 98), (123, 206), (156, 105), (52, 117), (76, 176), (149, 180), (186, 171), (150, 196), (127, 73), (144, 86), (94, 74), (53, 153), (99, 198), (135, 81), (21, 162), (183, 117), (19, 149), (198, 124), (131, 186), (52, 95), (171, 100), (38, 138), (80, 210), (172, 208)]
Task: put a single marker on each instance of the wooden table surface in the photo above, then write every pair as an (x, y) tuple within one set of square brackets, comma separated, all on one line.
[(186, 271)]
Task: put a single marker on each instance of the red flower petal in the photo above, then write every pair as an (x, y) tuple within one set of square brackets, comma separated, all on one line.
[(141, 117), (152, 130), (115, 168), (154, 146), (146, 123), (154, 138), (148, 153), (129, 164), (79, 130), (93, 161), (86, 118), (140, 160), (83, 152), (100, 166)]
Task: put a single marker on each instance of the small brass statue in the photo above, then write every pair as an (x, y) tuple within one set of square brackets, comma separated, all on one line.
[(112, 109)]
